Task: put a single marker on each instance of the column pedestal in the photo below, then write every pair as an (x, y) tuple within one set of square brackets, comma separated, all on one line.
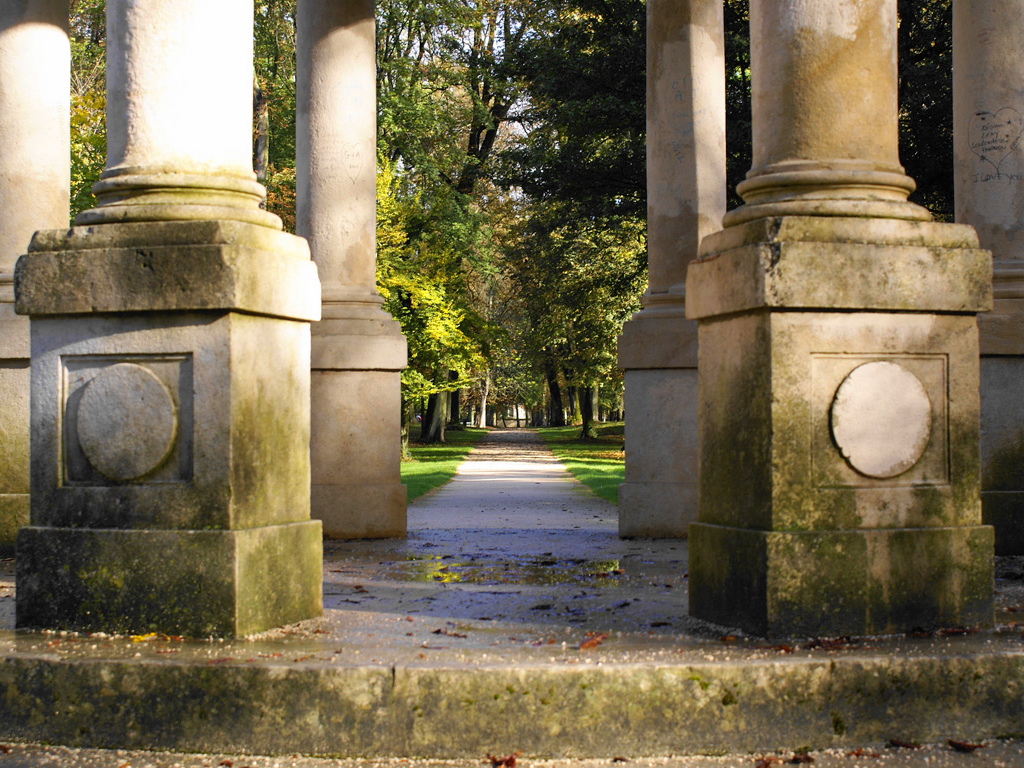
[(839, 484), (14, 419), (658, 352), (170, 430), (356, 450)]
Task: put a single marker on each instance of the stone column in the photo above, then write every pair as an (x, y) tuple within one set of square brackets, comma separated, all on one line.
[(170, 359), (838, 358), (34, 178), (358, 349), (685, 202), (988, 104)]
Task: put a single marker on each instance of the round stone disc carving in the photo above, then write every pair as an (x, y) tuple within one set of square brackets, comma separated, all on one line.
[(881, 419), (127, 422)]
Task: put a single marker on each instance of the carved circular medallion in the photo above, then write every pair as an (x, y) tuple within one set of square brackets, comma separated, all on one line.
[(127, 422), (881, 419)]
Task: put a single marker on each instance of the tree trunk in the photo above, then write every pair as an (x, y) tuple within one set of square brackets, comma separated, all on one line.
[(484, 389), (407, 417), (587, 400), (517, 415), (574, 404), (261, 129), (557, 416), (455, 407), (434, 419)]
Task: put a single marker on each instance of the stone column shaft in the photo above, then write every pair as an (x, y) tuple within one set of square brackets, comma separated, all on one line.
[(35, 61), (358, 349), (170, 359), (988, 106), (685, 202), (179, 127), (824, 101), (838, 358)]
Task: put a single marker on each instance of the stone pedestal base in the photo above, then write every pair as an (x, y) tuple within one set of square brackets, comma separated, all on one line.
[(832, 583), (355, 446), (170, 429), (192, 583), (14, 420), (658, 352), (838, 405), (1002, 449)]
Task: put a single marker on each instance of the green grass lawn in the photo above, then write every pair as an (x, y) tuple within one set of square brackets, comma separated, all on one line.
[(600, 464), (434, 465)]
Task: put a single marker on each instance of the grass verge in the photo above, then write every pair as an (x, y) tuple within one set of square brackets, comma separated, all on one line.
[(600, 464), (431, 466)]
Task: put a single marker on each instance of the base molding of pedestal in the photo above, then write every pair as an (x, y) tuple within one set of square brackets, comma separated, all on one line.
[(360, 511), (829, 583), (177, 582), (656, 510), (13, 515)]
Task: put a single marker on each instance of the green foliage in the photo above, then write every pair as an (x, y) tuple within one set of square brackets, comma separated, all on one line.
[(274, 62), (598, 463), (926, 101), (88, 100)]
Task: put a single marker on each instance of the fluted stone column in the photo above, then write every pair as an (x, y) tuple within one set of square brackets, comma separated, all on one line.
[(988, 104), (358, 349), (838, 358), (685, 202), (34, 178), (170, 359)]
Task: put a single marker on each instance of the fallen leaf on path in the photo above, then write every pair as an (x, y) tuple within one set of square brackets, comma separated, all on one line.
[(447, 633), (224, 660), (5, 749), (620, 759), (593, 642), (226, 763), (800, 757), (509, 761), (782, 648), (963, 746), (767, 762), (900, 744), (862, 753)]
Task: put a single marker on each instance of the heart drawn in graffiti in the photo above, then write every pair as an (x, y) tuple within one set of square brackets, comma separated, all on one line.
[(352, 157), (994, 135)]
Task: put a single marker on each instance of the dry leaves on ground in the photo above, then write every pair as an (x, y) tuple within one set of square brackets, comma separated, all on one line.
[(509, 761)]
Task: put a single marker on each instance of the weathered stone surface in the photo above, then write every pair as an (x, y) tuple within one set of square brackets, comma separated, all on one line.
[(779, 391), (191, 583), (794, 263), (240, 458), (357, 488), (1002, 451), (881, 419), (768, 459), (783, 583), (179, 266), (659, 495), (462, 711)]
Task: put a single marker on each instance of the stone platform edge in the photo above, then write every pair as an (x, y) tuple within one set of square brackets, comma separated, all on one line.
[(545, 710)]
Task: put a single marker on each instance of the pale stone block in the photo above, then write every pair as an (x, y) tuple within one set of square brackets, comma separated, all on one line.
[(659, 496), (1002, 451)]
